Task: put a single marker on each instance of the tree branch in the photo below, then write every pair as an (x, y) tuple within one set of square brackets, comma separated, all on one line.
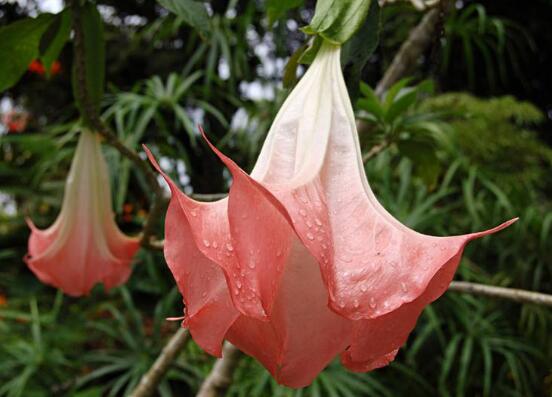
[(91, 118), (151, 379), (418, 40), (513, 294), (220, 378)]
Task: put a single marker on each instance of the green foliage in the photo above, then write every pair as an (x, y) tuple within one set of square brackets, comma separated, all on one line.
[(277, 9), (396, 121), (357, 50), (36, 360), (497, 41), (55, 38), (496, 135), (191, 11), (19, 42), (336, 21)]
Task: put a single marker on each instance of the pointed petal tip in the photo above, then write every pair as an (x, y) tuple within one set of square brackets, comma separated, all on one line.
[(495, 229)]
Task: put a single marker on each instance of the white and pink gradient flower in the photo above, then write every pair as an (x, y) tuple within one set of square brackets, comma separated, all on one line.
[(300, 263), (84, 246)]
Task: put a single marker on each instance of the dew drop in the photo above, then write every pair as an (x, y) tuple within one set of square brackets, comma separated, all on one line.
[(324, 246), (251, 265), (193, 213), (279, 253), (363, 288), (403, 287), (304, 200), (238, 284), (310, 236), (309, 224), (318, 222), (303, 212), (229, 247), (215, 244), (204, 294), (373, 303), (206, 243), (356, 304)]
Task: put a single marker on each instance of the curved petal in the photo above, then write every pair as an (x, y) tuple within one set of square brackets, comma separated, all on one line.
[(196, 268), (302, 334)]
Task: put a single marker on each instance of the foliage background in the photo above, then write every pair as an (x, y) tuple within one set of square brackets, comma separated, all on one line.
[(464, 153)]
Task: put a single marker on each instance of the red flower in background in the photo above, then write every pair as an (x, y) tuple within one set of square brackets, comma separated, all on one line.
[(15, 121), (38, 68), (301, 262)]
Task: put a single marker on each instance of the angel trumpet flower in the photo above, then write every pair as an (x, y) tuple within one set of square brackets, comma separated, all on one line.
[(84, 246), (300, 262)]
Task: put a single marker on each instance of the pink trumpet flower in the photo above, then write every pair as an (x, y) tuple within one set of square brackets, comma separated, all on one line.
[(300, 262), (84, 246)]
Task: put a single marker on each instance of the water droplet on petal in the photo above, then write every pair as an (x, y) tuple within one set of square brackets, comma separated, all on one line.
[(363, 288), (251, 265), (229, 247), (279, 253), (310, 236), (309, 224), (304, 200), (318, 222), (206, 243), (373, 303), (403, 286), (356, 304), (193, 213), (238, 284), (215, 244), (303, 212), (204, 294)]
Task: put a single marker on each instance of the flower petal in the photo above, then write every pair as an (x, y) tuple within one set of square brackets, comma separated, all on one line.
[(302, 335), (376, 341)]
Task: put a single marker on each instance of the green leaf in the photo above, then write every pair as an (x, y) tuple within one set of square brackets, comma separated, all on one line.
[(337, 20), (276, 9), (19, 43), (290, 71), (370, 102), (94, 53), (308, 55), (357, 50), (54, 39), (422, 154), (192, 12)]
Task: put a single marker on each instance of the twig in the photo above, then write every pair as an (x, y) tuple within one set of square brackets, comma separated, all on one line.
[(220, 378), (375, 150), (513, 294), (151, 379), (91, 118), (411, 50)]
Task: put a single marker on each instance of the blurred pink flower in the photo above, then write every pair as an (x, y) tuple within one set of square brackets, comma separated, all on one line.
[(84, 246)]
